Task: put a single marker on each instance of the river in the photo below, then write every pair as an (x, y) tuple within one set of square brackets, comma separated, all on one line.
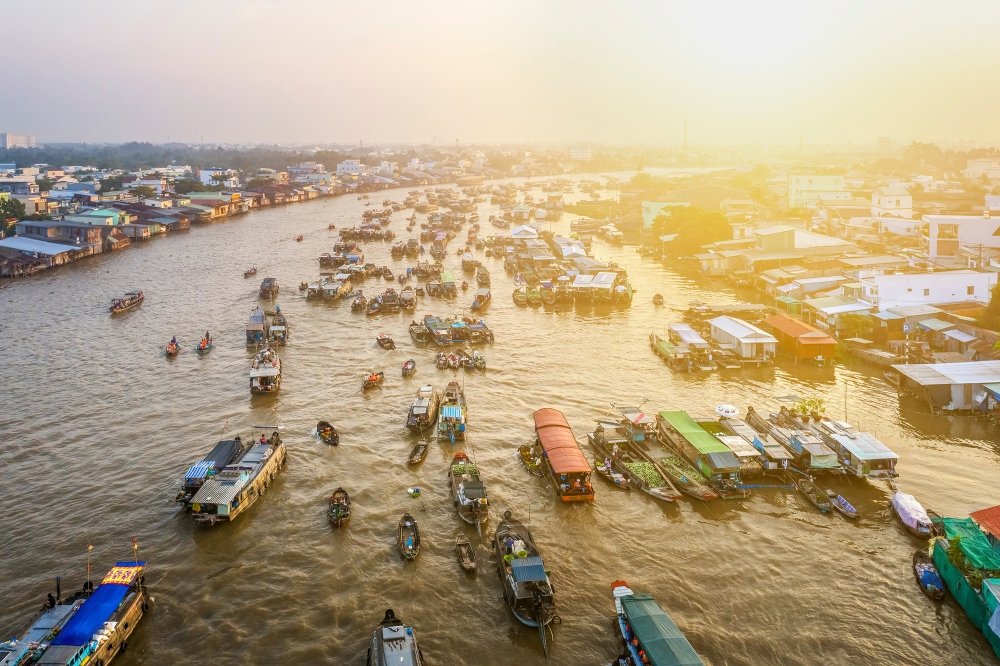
[(98, 428)]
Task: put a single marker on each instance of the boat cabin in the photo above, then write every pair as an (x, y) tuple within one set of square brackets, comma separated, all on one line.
[(637, 426), (223, 454), (860, 453), (482, 299), (812, 452), (257, 326), (568, 468), (773, 456), (701, 448)]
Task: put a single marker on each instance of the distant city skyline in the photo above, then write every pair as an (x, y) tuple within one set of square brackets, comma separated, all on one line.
[(311, 72)]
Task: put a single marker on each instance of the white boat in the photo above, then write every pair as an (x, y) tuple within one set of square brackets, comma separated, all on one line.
[(912, 514)]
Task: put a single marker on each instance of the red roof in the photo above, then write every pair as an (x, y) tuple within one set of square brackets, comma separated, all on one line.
[(988, 520), (558, 442), (796, 328)]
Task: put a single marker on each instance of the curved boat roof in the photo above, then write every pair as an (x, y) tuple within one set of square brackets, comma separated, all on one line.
[(663, 641), (556, 438)]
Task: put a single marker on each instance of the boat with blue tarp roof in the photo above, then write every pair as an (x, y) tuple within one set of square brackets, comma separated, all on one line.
[(100, 629), (34, 639), (222, 454), (650, 635), (452, 413)]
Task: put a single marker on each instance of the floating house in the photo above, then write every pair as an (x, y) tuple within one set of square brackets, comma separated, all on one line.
[(800, 340), (702, 449), (745, 340), (972, 385)]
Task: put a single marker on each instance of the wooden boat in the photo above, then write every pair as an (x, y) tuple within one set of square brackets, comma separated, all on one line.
[(520, 297), (373, 380), (250, 272), (441, 360), (387, 273), (534, 297), (221, 455), (384, 341), (658, 300), (419, 332), (236, 488), (606, 469), (482, 299), (331, 226), (927, 576), (452, 414), (132, 299), (465, 286), (279, 330), (409, 367), (913, 516), (478, 360), (423, 410), (408, 537), (408, 299), (359, 304), (374, 306), (568, 468), (205, 345), (303, 286), (468, 492), (299, 238), (418, 453), (265, 372), (99, 629), (29, 643), (339, 510), (841, 505), (465, 552), (526, 584), (172, 349), (815, 496), (268, 287), (649, 634), (393, 643), (327, 433)]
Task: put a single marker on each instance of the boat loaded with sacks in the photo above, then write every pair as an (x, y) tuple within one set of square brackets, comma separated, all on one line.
[(238, 486), (568, 468), (468, 492)]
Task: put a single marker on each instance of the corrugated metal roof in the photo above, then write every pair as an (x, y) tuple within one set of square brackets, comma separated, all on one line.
[(451, 412), (22, 244), (740, 329), (960, 336), (950, 374), (528, 569), (864, 446), (934, 324)]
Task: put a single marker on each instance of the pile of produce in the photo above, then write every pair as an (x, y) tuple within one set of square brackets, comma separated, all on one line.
[(646, 472), (464, 468)]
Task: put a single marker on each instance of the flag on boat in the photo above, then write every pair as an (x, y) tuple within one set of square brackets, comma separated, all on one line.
[(90, 547)]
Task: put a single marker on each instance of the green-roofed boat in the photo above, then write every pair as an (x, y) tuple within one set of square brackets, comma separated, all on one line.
[(650, 636), (708, 454)]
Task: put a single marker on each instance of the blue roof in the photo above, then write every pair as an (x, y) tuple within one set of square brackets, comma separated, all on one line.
[(95, 611), (451, 411), (527, 569), (199, 470)]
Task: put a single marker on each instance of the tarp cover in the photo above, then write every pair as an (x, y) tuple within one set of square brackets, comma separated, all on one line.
[(977, 549), (526, 569), (663, 642), (556, 438), (910, 511), (704, 441), (97, 609)]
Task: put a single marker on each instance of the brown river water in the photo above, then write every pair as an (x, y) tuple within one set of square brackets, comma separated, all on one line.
[(98, 427)]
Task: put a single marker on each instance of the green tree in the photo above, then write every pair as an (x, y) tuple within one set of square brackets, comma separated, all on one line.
[(11, 210), (694, 227), (185, 185), (111, 184), (143, 191), (990, 316), (44, 184), (257, 182)]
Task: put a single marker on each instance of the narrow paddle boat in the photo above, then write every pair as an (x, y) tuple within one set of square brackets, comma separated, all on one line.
[(816, 496), (465, 552), (408, 537), (340, 507), (327, 433), (384, 341), (530, 461), (418, 453), (173, 348), (841, 505), (927, 576), (205, 345), (373, 380), (409, 367)]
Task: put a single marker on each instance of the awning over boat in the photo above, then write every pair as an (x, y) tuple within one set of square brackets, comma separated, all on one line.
[(266, 371), (558, 442), (702, 440), (664, 643), (864, 446), (451, 412), (100, 606), (977, 549), (528, 569)]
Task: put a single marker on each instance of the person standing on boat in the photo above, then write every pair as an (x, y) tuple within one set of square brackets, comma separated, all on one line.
[(263, 439)]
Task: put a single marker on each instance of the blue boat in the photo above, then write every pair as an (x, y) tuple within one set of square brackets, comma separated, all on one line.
[(100, 629), (34, 639), (650, 636)]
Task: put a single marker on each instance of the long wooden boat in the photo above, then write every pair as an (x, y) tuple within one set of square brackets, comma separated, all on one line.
[(466, 553), (927, 576), (816, 497), (372, 380), (265, 372), (99, 630), (408, 537), (526, 584), (132, 299), (650, 636), (468, 492), (339, 510), (393, 643), (607, 469), (238, 486), (279, 329), (221, 455), (327, 433), (707, 453), (257, 326), (452, 417), (423, 410), (840, 504), (642, 460), (418, 453), (268, 287), (567, 466)]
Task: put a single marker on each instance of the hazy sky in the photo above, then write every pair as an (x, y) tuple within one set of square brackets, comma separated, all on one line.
[(385, 71)]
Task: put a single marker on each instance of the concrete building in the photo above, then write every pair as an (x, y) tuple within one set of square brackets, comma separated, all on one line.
[(945, 235), (893, 290), (982, 166), (350, 169), (892, 202), (9, 140), (215, 176), (744, 339), (805, 187)]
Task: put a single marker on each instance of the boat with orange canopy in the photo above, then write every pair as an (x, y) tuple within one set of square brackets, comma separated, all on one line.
[(565, 462)]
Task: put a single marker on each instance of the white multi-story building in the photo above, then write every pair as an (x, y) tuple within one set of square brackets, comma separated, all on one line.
[(9, 140), (804, 188), (893, 290), (982, 166), (350, 169), (892, 202), (215, 176), (947, 234)]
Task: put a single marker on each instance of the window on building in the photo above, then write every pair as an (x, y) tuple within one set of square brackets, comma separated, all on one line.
[(970, 290), (909, 290), (927, 292)]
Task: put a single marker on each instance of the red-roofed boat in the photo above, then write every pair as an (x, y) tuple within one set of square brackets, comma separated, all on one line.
[(565, 462)]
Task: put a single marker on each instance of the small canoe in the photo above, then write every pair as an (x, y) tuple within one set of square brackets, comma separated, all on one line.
[(340, 507), (524, 452), (927, 576), (327, 433), (205, 346), (373, 380), (465, 552), (384, 341), (616, 479), (409, 367), (408, 537), (816, 496), (418, 453), (303, 286), (841, 505), (298, 239), (250, 272)]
